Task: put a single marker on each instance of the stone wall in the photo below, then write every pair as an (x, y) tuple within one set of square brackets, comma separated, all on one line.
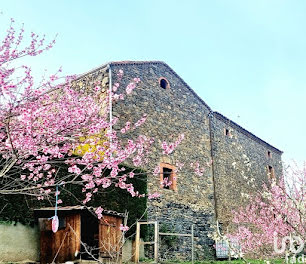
[(128, 251), (170, 112), (240, 164), (240, 159), (18, 243)]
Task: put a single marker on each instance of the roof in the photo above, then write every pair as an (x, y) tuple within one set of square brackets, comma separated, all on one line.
[(216, 114), (77, 208)]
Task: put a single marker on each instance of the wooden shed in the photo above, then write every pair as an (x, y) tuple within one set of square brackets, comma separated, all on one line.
[(80, 235)]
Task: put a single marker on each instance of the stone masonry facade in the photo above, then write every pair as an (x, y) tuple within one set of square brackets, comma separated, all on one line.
[(241, 162)]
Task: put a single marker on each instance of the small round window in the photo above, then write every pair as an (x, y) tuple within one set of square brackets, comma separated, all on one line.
[(163, 83)]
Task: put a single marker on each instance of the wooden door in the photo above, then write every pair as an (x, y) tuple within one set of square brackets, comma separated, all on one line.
[(62, 245), (110, 237)]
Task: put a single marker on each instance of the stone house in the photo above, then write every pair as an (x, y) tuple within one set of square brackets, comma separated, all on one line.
[(241, 162)]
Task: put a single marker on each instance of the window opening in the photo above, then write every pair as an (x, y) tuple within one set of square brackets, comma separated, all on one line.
[(163, 83), (271, 172), (167, 178)]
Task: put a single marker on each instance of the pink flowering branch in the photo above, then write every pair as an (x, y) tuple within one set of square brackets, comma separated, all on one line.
[(276, 212), (168, 148), (44, 129), (56, 134), (40, 127)]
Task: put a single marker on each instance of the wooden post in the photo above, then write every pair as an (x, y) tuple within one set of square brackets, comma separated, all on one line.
[(192, 246), (156, 236), (137, 242)]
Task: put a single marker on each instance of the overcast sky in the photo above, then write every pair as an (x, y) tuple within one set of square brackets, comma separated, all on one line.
[(245, 59)]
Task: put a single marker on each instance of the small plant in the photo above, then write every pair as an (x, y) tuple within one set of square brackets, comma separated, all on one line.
[(169, 241)]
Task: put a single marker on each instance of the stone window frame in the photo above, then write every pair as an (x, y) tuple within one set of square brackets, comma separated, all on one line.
[(271, 172), (227, 132), (269, 154), (159, 83), (173, 176)]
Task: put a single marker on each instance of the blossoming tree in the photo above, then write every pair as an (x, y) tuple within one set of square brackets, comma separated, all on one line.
[(52, 134), (273, 218)]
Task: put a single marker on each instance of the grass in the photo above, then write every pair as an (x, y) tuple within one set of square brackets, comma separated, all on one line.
[(277, 261)]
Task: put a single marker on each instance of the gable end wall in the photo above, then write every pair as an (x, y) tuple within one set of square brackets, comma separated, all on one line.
[(171, 112)]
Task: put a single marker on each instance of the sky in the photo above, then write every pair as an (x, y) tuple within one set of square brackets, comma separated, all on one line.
[(245, 59)]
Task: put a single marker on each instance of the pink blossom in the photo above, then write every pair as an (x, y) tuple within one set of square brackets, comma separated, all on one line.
[(124, 228), (131, 86), (120, 74), (74, 169), (169, 148), (98, 212), (153, 195), (275, 211), (136, 80), (197, 169), (156, 171), (50, 123), (115, 87)]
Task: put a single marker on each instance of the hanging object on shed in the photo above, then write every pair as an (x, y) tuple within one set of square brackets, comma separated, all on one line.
[(55, 221)]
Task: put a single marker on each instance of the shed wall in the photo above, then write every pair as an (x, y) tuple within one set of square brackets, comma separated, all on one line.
[(65, 242)]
